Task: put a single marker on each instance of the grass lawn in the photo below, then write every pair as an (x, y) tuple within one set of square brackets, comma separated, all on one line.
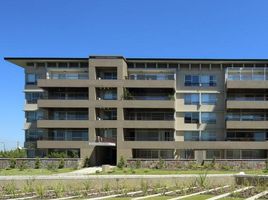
[(199, 197), (10, 172), (143, 171)]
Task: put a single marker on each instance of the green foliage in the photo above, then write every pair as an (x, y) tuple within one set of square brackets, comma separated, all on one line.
[(160, 164), (52, 166), (127, 95), (202, 180), (61, 164), (86, 162), (137, 164), (37, 163), (10, 189), (22, 165), (122, 163), (29, 186), (12, 163), (57, 155), (59, 190), (266, 164), (17, 153), (144, 187), (40, 190)]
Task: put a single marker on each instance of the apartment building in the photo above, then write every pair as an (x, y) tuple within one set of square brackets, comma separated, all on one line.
[(104, 107)]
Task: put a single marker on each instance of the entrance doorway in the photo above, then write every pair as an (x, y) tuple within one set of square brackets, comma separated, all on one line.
[(105, 155)]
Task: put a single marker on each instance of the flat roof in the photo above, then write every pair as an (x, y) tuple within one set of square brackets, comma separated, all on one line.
[(22, 61)]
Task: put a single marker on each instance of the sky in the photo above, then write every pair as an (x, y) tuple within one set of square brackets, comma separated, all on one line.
[(140, 28)]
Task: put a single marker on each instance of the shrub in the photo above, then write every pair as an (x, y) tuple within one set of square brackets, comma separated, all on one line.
[(22, 165), (122, 163), (160, 164), (138, 164), (266, 164), (52, 167), (40, 191), (57, 155), (17, 153), (37, 163), (86, 162), (59, 190), (12, 163), (61, 164)]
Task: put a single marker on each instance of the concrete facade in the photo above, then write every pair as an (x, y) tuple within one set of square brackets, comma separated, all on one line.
[(105, 107)]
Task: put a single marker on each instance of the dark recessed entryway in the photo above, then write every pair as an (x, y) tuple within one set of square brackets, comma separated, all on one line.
[(105, 155)]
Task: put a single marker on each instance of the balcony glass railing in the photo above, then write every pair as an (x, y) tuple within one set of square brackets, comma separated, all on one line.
[(105, 139), (244, 74), (149, 138), (151, 77), (68, 116), (149, 116), (70, 76), (247, 117), (151, 97), (69, 96)]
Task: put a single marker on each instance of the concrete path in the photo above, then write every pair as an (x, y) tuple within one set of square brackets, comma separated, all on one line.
[(84, 171), (82, 176)]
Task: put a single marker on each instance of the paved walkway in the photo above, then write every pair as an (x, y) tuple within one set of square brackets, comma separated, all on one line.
[(83, 176), (84, 171)]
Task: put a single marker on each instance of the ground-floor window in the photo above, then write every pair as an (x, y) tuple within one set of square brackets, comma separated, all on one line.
[(213, 154), (153, 153), (186, 154)]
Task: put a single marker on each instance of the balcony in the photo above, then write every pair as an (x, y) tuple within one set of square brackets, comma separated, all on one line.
[(46, 144), (62, 123), (105, 137), (246, 124), (67, 135), (149, 83), (66, 93), (240, 104), (106, 114), (149, 134), (106, 73), (67, 76), (149, 114), (247, 78), (106, 93), (67, 114), (138, 76), (155, 94)]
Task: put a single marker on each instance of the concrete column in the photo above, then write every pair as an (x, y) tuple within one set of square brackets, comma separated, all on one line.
[(200, 155)]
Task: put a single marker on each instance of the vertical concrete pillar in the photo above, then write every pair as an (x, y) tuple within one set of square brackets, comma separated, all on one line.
[(200, 155)]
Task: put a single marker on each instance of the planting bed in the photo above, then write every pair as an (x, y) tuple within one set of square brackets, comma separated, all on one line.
[(197, 190)]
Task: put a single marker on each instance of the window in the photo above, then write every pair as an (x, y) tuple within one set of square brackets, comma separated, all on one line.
[(208, 136), (33, 115), (32, 97), (191, 136), (191, 99), (233, 154), (208, 99), (30, 79), (200, 80), (211, 154), (208, 118), (191, 117), (187, 154)]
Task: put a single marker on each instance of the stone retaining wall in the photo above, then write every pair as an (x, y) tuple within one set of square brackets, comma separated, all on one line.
[(44, 162), (221, 164)]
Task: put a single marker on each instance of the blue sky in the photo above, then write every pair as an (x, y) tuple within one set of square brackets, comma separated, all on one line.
[(140, 28)]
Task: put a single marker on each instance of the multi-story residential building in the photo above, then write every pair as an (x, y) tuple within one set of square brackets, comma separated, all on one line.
[(104, 107)]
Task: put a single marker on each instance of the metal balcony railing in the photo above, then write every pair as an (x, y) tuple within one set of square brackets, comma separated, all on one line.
[(151, 77), (105, 139), (149, 139)]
